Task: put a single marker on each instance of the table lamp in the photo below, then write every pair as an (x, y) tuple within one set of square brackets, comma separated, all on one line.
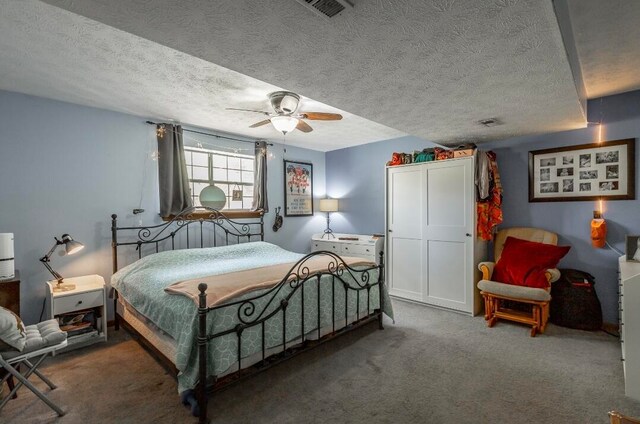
[(70, 246), (328, 206)]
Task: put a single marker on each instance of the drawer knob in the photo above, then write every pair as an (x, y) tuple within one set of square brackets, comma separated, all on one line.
[(79, 302)]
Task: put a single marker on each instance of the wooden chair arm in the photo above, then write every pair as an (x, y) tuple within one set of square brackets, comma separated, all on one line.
[(487, 269), (618, 418), (552, 275)]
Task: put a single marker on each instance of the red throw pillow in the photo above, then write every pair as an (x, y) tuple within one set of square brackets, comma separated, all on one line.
[(523, 263)]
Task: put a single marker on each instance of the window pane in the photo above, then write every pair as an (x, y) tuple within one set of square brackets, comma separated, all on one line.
[(247, 201), (196, 201), (247, 177), (234, 204), (219, 161), (234, 162), (248, 190), (200, 173), (219, 174), (200, 159), (187, 157), (247, 164), (224, 187), (234, 175), (198, 187), (189, 172)]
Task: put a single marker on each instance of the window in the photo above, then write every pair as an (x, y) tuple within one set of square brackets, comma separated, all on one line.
[(229, 171)]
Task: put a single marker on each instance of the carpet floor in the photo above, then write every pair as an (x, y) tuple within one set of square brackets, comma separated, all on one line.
[(431, 366)]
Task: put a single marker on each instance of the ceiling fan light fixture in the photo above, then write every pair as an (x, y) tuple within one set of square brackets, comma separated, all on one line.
[(284, 124), (289, 104)]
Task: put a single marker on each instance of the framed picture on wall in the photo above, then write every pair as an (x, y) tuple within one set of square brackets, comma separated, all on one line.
[(583, 172), (298, 188)]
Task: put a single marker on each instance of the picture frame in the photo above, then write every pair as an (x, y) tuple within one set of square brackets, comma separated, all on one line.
[(596, 171), (298, 188), (632, 248)]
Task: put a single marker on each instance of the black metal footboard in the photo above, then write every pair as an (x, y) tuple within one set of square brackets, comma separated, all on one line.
[(257, 310)]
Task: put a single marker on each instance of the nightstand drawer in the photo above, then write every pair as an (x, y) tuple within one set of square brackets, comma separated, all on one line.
[(78, 301)]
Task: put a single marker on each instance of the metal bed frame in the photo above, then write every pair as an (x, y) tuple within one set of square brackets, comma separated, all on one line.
[(249, 314)]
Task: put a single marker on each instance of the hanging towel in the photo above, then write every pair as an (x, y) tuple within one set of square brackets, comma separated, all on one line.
[(490, 210), (482, 176)]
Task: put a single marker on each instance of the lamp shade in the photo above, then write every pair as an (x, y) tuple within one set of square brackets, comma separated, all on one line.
[(213, 197), (284, 124), (70, 245), (328, 205)]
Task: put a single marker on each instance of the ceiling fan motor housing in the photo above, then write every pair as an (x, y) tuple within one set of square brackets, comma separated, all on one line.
[(284, 102)]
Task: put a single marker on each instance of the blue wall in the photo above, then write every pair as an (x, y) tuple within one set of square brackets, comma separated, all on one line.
[(66, 168), (357, 174)]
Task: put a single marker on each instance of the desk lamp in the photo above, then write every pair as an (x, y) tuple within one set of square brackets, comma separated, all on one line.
[(70, 246)]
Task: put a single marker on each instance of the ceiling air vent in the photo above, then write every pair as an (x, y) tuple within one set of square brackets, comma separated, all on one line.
[(326, 8), (490, 122)]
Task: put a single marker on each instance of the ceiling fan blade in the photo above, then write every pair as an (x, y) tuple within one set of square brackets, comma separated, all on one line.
[(303, 126), (321, 116), (249, 110), (261, 123)]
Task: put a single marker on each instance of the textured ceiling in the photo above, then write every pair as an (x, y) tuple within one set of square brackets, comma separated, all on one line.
[(49, 52), (607, 36), (428, 68)]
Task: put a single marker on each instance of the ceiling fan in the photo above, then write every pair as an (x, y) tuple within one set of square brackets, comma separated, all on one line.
[(286, 118)]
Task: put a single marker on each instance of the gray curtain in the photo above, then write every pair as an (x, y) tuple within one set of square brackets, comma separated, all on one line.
[(175, 195), (260, 178)]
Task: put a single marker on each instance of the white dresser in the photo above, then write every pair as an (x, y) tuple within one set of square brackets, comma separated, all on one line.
[(630, 325), (358, 245)]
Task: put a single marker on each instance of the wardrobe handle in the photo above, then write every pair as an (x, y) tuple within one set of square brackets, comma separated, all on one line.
[(391, 231), (468, 234)]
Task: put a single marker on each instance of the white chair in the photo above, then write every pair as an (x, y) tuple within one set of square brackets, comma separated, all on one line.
[(42, 339)]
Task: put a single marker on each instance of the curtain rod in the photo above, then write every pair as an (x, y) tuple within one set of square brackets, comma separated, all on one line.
[(212, 135)]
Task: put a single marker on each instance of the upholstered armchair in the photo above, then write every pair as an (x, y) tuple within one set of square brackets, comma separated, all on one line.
[(495, 293)]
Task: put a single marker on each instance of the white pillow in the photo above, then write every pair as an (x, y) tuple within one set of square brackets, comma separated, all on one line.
[(12, 333)]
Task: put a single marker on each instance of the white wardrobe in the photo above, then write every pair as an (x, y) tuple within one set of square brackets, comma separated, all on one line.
[(432, 248)]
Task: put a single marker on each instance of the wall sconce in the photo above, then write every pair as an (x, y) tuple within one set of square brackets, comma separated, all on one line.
[(328, 206), (598, 229)]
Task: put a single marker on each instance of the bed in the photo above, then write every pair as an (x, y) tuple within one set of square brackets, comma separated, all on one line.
[(215, 303)]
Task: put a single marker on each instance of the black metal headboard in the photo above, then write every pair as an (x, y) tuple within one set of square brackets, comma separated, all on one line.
[(198, 223)]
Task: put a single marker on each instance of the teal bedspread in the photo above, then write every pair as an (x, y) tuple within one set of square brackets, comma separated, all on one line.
[(143, 282)]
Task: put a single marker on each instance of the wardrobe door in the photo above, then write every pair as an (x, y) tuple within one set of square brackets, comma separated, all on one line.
[(448, 236), (405, 257)]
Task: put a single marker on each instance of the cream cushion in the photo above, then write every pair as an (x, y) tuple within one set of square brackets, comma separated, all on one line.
[(41, 335), (516, 292)]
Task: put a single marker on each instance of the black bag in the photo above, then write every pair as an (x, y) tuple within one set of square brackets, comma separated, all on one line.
[(574, 302)]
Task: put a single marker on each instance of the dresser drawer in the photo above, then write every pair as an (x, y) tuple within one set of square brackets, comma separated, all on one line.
[(78, 301), (325, 245), (359, 250)]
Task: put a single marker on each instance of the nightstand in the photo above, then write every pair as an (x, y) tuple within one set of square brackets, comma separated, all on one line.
[(89, 295), (10, 293)]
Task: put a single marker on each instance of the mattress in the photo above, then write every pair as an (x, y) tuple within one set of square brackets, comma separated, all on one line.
[(142, 284)]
